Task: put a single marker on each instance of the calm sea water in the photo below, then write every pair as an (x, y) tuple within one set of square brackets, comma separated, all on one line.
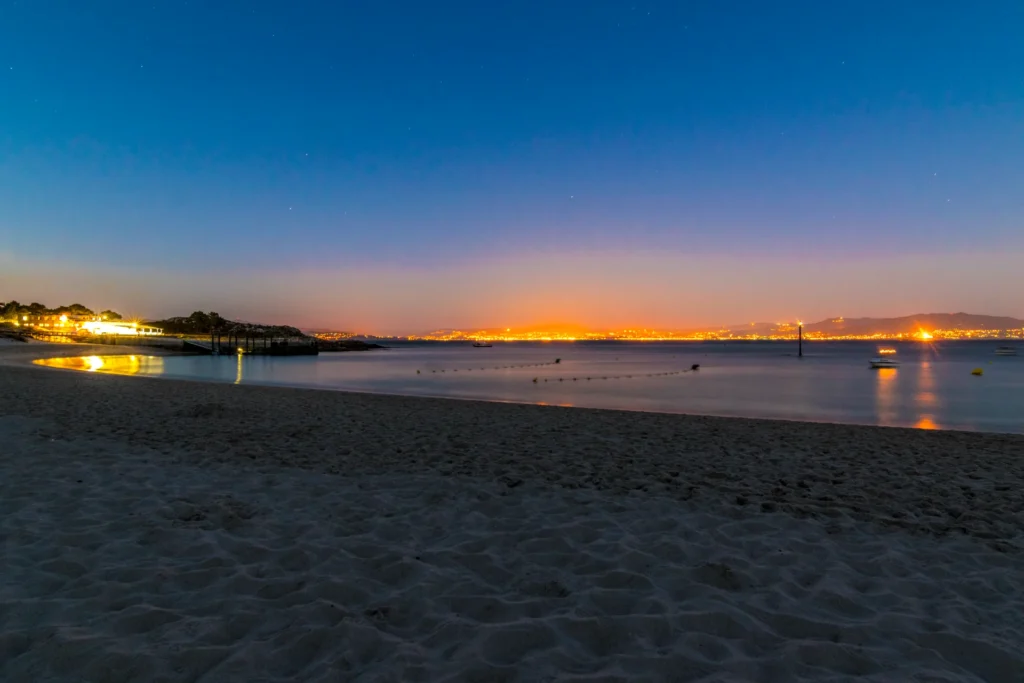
[(933, 387)]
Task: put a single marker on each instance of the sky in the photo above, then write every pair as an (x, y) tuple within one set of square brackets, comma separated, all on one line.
[(403, 166)]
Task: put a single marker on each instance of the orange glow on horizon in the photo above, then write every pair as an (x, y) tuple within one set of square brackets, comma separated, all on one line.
[(777, 332)]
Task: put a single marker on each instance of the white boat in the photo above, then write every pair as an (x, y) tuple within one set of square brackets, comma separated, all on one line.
[(881, 362), (1006, 351)]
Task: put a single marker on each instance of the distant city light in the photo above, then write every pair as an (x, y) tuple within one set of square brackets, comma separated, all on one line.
[(778, 332)]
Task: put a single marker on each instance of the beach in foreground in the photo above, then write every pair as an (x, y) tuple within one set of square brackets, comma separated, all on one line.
[(157, 530)]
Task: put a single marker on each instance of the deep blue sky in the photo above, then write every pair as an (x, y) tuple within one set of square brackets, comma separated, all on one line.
[(261, 140)]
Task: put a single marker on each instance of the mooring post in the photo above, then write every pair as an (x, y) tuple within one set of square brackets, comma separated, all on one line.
[(800, 340)]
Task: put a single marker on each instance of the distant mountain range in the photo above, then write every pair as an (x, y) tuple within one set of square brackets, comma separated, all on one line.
[(830, 327), (907, 324)]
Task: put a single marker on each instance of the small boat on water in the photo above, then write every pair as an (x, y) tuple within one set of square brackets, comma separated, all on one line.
[(1006, 351), (882, 362), (481, 345)]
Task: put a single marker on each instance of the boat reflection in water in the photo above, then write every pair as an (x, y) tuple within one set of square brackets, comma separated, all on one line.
[(114, 365), (885, 397)]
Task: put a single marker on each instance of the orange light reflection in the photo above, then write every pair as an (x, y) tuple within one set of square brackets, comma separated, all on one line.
[(114, 365), (884, 395), (926, 386)]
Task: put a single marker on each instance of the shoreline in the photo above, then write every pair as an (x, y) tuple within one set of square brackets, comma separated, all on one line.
[(448, 397)]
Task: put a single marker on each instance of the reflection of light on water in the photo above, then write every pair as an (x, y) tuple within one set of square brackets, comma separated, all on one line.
[(924, 401), (238, 376), (884, 388), (926, 386), (115, 365)]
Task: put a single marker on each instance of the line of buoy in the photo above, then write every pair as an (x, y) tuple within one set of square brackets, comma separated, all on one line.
[(556, 361), (537, 380)]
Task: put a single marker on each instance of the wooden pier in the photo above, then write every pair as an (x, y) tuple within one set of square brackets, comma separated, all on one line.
[(252, 347)]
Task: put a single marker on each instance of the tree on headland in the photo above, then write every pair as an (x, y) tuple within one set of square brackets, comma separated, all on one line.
[(10, 310), (111, 315), (73, 309), (206, 323), (13, 310), (201, 322)]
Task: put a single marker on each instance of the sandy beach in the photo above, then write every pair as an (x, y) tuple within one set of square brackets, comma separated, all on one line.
[(158, 530)]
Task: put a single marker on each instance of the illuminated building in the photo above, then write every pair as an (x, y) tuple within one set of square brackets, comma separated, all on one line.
[(58, 323), (55, 321), (119, 328)]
